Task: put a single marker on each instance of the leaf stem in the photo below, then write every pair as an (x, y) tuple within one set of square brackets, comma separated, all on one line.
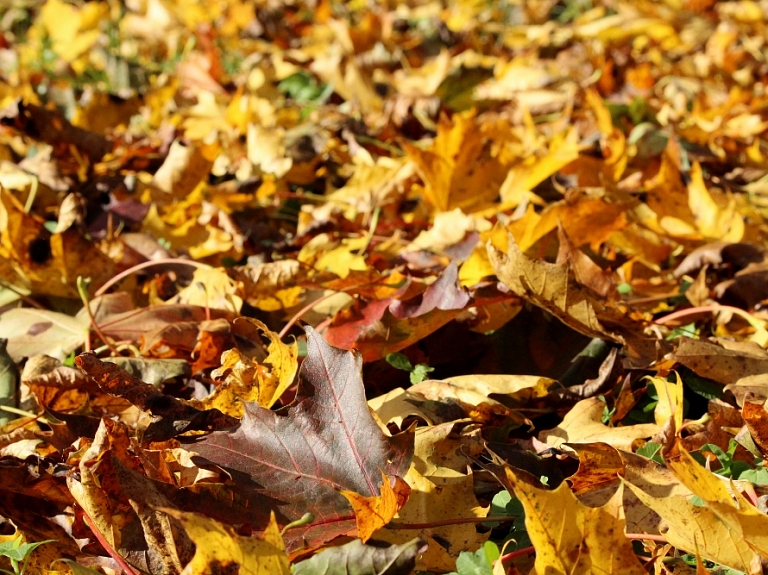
[(298, 315), (456, 521), (515, 554), (632, 536), (103, 289), (646, 537), (305, 519), (709, 308), (104, 543)]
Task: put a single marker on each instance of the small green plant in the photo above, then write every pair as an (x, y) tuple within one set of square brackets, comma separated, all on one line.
[(504, 504), (607, 412), (18, 552), (712, 568), (478, 563), (652, 451), (305, 90), (419, 372), (729, 467)]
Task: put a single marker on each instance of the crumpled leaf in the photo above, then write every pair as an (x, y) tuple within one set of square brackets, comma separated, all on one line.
[(154, 371), (742, 371), (173, 415), (554, 288), (445, 294), (303, 455), (247, 380), (355, 558)]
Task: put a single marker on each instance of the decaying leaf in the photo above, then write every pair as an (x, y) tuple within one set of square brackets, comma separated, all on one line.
[(355, 557), (554, 288), (247, 380)]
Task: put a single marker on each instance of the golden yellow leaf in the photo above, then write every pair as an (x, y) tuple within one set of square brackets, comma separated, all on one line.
[(712, 221), (211, 288), (670, 403), (219, 548), (45, 263), (515, 389), (727, 529), (458, 170), (586, 220), (523, 177), (612, 142), (72, 31), (272, 286), (570, 537), (343, 259)]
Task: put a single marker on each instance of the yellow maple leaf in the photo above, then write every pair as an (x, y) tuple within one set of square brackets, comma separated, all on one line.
[(570, 537), (458, 169)]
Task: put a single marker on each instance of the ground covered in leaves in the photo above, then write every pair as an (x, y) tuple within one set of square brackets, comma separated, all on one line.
[(346, 287)]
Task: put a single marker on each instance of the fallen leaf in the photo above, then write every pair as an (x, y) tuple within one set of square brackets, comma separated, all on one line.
[(583, 424), (32, 332), (458, 165), (373, 513), (246, 380), (570, 537), (355, 557), (325, 441), (218, 547), (554, 288)]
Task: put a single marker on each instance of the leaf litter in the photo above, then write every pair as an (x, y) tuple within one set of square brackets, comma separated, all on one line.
[(325, 287)]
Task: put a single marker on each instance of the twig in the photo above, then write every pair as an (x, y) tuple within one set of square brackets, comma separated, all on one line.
[(17, 411), (298, 315), (103, 289), (23, 297)]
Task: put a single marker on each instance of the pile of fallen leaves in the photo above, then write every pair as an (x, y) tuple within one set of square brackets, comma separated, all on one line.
[(347, 287)]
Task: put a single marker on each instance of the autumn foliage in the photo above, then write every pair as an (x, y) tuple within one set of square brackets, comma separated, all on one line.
[(343, 287)]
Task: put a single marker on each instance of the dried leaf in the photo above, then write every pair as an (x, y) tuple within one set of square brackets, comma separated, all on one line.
[(325, 441)]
